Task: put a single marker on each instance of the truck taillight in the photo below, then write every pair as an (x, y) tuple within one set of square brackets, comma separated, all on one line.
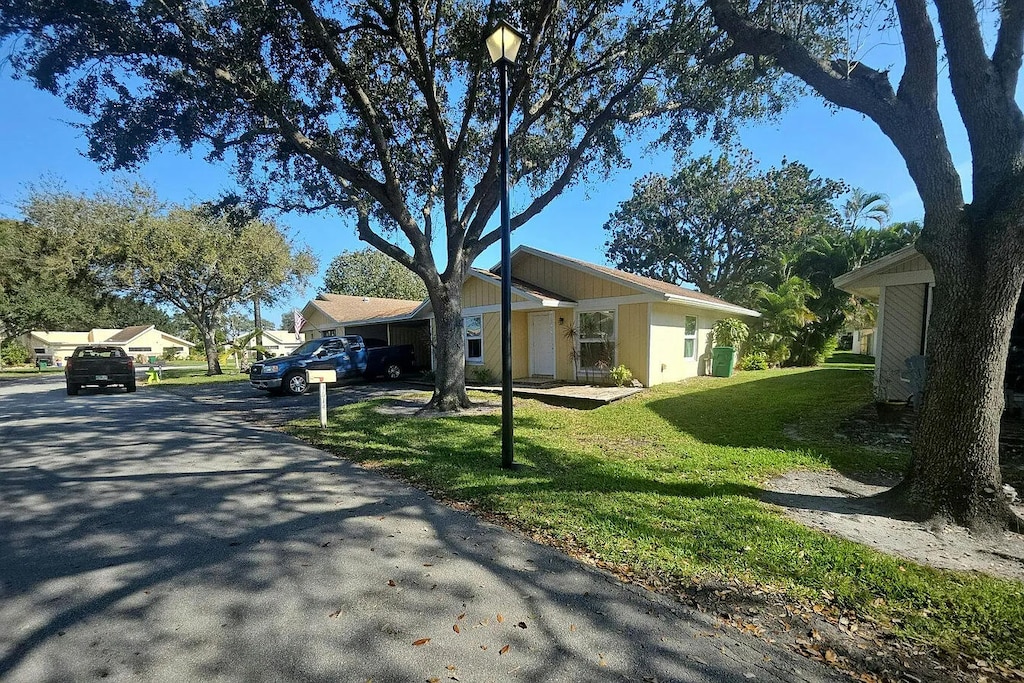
[(67, 364), (131, 363)]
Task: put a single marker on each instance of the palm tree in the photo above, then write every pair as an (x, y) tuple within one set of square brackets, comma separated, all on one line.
[(866, 207)]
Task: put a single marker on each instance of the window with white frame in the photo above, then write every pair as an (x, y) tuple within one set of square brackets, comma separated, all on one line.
[(597, 340), (474, 326), (329, 333), (690, 338)]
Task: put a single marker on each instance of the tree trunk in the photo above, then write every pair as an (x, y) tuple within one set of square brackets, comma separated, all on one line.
[(210, 346), (258, 328), (954, 470), (449, 349)]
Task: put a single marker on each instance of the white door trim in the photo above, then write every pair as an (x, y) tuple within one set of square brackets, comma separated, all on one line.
[(534, 369)]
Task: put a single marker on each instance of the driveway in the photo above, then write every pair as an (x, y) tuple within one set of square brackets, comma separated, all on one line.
[(151, 537)]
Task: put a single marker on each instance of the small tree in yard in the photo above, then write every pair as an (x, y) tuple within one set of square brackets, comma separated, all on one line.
[(976, 249), (385, 111), (200, 263)]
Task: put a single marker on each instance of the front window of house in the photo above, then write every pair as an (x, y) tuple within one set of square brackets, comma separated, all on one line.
[(597, 340), (329, 333), (690, 338), (474, 326)]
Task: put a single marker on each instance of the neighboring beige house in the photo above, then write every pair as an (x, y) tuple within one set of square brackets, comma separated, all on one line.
[(276, 342), (379, 321), (138, 340), (901, 283)]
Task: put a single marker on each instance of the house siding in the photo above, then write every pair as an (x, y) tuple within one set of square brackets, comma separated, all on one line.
[(477, 292), (903, 317), (565, 280), (317, 321), (634, 341), (668, 335), (520, 345)]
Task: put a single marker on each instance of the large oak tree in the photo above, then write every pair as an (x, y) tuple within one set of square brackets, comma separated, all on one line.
[(384, 110), (976, 248)]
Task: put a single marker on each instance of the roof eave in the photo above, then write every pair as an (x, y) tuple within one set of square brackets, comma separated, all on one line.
[(710, 305)]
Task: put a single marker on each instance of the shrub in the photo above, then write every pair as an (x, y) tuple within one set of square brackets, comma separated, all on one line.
[(484, 375), (758, 360), (13, 353), (774, 346), (729, 332), (621, 375)]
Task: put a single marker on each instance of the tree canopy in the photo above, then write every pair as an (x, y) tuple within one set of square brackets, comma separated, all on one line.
[(369, 272), (197, 261)]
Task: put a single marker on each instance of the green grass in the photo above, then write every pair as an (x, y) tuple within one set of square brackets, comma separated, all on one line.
[(20, 371), (182, 376), (667, 483)]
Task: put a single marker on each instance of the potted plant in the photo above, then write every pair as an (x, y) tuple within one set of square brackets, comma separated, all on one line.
[(727, 336)]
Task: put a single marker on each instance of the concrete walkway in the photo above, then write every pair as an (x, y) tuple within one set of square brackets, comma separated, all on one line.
[(148, 537)]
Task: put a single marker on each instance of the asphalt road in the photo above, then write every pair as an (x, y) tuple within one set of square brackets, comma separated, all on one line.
[(153, 537)]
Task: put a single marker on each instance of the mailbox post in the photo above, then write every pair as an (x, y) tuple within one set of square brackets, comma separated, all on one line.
[(323, 378)]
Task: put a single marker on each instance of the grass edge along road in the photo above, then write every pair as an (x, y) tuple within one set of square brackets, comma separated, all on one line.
[(667, 482)]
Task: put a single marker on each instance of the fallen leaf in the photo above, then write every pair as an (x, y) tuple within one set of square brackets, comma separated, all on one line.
[(503, 650), (391, 582), (455, 627), (831, 657), (483, 647), (500, 618), (461, 616), (450, 667), (427, 564), (335, 615), (521, 624), (435, 679), (421, 641), (572, 627)]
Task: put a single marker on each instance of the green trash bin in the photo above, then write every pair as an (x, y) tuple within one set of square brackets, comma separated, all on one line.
[(723, 360), (152, 360), (43, 364)]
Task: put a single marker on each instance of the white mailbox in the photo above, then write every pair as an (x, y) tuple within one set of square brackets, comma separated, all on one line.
[(321, 376)]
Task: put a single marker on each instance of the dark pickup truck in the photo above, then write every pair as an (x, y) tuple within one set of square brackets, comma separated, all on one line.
[(101, 366), (348, 356)]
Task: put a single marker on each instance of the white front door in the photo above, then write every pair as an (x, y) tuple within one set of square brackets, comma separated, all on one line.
[(542, 344)]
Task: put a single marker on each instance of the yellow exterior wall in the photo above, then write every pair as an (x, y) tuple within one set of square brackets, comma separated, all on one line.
[(634, 340), (667, 340), (520, 345), (564, 280), (477, 292)]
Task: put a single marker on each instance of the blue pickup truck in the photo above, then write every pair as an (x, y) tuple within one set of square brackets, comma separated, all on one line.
[(348, 356)]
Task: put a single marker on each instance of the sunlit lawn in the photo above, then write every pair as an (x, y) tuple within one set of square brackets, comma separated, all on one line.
[(667, 482)]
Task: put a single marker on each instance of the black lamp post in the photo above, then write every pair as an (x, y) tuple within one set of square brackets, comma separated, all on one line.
[(503, 45)]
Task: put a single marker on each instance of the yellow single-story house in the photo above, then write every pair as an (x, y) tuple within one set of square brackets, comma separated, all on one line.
[(574, 321), (138, 340)]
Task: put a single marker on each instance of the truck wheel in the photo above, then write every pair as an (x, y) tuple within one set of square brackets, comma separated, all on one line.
[(295, 383), (130, 387), (393, 371), (72, 389)]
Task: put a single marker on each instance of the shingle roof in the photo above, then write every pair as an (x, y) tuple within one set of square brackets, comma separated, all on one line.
[(128, 333), (343, 308)]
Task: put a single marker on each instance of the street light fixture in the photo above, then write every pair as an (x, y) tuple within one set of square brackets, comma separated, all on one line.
[(503, 46)]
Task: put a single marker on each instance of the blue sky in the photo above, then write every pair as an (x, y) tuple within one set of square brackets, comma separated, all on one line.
[(38, 141)]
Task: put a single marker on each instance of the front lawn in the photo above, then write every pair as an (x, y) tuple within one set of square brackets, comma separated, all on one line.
[(666, 483), (180, 376)]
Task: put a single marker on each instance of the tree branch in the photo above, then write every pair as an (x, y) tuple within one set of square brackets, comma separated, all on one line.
[(920, 76), (1007, 53)]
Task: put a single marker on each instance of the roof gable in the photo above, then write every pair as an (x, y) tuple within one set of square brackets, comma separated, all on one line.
[(128, 334), (344, 309), (632, 283)]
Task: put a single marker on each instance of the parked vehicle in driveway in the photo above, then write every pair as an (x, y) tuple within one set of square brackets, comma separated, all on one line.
[(348, 356), (101, 366)]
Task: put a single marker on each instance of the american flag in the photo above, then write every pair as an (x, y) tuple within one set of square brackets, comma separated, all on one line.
[(299, 322)]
